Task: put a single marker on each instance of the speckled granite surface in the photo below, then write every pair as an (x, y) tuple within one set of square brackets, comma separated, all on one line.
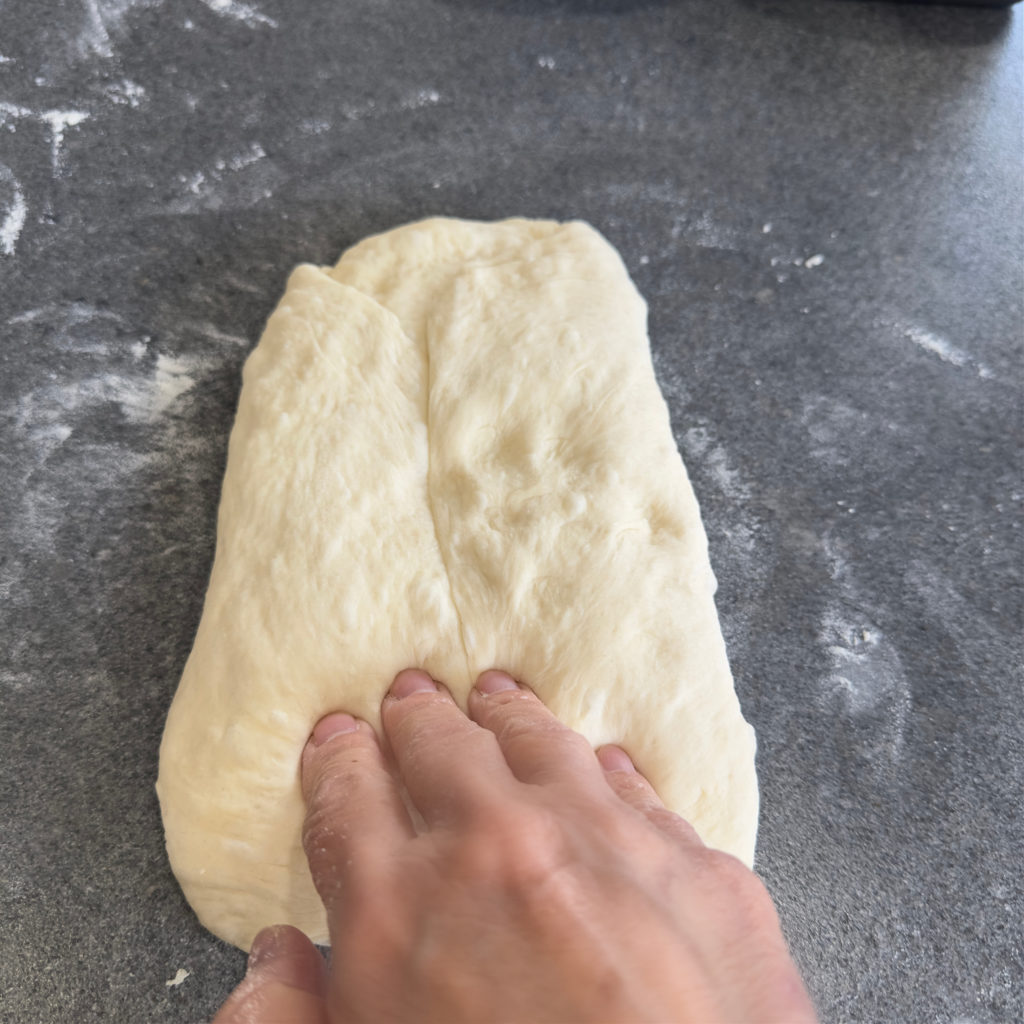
[(821, 201)]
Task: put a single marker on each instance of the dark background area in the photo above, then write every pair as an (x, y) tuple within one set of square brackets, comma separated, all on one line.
[(821, 201)]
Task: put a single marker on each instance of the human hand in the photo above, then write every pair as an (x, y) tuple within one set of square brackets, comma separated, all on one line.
[(549, 884)]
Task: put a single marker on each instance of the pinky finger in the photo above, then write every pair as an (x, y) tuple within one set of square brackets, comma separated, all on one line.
[(633, 789)]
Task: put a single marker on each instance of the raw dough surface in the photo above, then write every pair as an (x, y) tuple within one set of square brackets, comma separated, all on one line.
[(450, 451)]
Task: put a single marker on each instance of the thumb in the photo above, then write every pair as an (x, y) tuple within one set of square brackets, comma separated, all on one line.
[(285, 982)]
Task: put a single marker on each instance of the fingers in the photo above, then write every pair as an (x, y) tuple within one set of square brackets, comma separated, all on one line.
[(633, 789), (536, 746), (354, 808), (285, 983), (451, 767)]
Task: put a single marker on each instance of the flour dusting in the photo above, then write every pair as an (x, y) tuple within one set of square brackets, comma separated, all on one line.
[(94, 36), (839, 435), (314, 126), (239, 160), (208, 330), (179, 977), (713, 457), (119, 383), (203, 187), (866, 675), (947, 352), (125, 93), (421, 98), (371, 108), (866, 669), (57, 121), (102, 25), (238, 11), (12, 111), (15, 210)]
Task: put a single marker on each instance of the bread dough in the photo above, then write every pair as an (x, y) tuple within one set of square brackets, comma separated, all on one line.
[(451, 452)]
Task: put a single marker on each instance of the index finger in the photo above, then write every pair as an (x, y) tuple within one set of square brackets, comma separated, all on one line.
[(354, 807), (451, 768)]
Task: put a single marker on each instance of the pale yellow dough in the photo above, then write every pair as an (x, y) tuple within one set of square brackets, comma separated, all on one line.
[(450, 452)]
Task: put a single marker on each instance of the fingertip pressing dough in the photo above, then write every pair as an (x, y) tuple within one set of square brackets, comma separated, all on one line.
[(450, 452)]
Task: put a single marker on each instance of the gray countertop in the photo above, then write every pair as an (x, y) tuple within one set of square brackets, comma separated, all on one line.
[(822, 203)]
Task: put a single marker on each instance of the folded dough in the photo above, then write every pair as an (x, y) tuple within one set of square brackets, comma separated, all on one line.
[(451, 452)]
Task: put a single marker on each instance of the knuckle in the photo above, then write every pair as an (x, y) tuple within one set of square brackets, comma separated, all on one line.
[(405, 718), (668, 821), (751, 908), (732, 874), (526, 720), (631, 786), (335, 781), (516, 847), (318, 832)]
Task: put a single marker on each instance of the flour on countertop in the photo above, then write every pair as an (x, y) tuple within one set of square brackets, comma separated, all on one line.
[(243, 12), (702, 450), (692, 225), (13, 211), (213, 188), (125, 93), (866, 675), (947, 352), (118, 380), (371, 108), (103, 23), (839, 433), (179, 977), (57, 121)]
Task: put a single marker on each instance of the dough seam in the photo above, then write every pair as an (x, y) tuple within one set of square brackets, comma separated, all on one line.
[(430, 505)]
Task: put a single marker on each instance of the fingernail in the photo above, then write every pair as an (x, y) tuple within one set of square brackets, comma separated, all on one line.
[(264, 948), (333, 725), (615, 759), (495, 681), (410, 681)]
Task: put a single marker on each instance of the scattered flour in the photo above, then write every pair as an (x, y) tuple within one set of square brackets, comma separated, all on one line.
[(243, 12), (102, 24), (52, 423), (371, 108), (125, 93), (178, 978), (57, 121), (703, 449), (866, 668), (14, 210), (947, 352), (866, 674), (208, 330), (239, 160), (838, 432), (204, 185), (701, 227), (314, 126), (65, 315)]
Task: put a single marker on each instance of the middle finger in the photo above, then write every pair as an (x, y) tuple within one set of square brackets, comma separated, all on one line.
[(451, 767)]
